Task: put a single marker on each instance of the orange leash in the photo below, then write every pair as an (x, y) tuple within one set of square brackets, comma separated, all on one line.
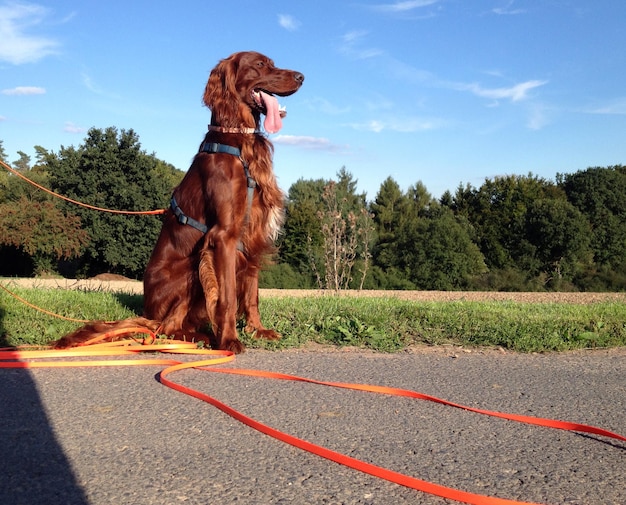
[(81, 204), (538, 421), (10, 359), (39, 309)]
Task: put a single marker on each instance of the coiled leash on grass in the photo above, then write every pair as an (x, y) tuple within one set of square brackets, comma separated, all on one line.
[(11, 358)]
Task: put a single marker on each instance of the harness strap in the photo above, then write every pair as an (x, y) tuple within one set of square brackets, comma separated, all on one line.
[(184, 219), (251, 187), (214, 148)]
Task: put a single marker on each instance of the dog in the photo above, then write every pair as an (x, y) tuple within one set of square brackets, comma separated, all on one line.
[(223, 219)]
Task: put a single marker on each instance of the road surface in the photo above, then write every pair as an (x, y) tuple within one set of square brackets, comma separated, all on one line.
[(116, 435)]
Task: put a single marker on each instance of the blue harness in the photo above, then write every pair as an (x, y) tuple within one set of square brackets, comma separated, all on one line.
[(213, 148)]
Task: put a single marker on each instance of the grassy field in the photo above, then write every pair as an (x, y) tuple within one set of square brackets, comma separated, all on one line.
[(379, 323)]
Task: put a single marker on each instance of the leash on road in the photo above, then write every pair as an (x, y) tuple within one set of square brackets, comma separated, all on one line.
[(27, 358)]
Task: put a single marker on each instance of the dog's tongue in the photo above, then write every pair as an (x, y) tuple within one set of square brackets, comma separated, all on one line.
[(273, 122)]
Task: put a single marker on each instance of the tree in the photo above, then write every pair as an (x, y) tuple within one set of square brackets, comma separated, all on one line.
[(420, 200), (463, 200), (561, 237), (498, 212), (23, 163), (421, 243), (12, 188), (41, 154), (4, 175), (600, 194), (437, 252), (109, 170), (318, 213), (346, 236), (34, 232), (301, 241), (346, 190), (42, 231), (389, 211), (3, 153)]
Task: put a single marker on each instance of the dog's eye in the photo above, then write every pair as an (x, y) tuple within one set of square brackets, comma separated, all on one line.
[(260, 64)]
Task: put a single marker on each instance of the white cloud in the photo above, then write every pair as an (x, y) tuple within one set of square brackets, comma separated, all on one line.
[(409, 73), (379, 102), (353, 36), (307, 142), (89, 84), (374, 125), (324, 106), (351, 46), (288, 22), (72, 128), (515, 93), (617, 107), (538, 117), (404, 6), (24, 90), (3, 118), (508, 9), (92, 86), (16, 45), (400, 125)]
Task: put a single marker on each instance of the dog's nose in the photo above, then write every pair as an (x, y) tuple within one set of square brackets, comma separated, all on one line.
[(299, 77)]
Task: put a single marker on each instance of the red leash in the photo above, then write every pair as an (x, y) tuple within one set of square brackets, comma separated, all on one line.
[(9, 359)]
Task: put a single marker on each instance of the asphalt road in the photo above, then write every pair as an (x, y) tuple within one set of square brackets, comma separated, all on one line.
[(117, 436)]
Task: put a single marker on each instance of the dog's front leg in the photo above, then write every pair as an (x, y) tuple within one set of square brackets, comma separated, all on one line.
[(251, 307), (218, 279)]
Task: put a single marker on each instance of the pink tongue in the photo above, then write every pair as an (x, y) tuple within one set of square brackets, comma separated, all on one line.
[(273, 122)]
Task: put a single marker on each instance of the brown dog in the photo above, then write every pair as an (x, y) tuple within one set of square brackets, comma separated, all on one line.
[(224, 216)]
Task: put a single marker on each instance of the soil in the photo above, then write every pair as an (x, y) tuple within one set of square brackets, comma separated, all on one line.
[(118, 283)]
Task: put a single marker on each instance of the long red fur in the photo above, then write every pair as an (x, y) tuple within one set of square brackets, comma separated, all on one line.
[(197, 285)]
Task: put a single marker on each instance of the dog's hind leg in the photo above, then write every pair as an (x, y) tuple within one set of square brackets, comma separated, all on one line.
[(208, 280)]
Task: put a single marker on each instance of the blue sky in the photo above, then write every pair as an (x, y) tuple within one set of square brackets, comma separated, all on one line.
[(439, 91)]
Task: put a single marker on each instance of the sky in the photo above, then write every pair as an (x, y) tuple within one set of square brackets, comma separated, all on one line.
[(445, 92)]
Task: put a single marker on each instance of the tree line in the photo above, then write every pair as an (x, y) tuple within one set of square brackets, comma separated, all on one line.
[(516, 233)]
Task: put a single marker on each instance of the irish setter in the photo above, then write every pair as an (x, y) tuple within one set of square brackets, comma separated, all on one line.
[(224, 216)]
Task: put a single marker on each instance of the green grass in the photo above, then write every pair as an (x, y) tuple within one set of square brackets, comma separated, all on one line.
[(382, 324)]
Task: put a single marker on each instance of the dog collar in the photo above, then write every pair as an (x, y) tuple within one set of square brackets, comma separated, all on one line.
[(223, 129)]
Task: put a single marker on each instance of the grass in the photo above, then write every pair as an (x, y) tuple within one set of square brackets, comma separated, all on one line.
[(382, 324)]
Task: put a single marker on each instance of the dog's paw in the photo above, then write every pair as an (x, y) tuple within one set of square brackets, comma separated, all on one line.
[(234, 346), (266, 334)]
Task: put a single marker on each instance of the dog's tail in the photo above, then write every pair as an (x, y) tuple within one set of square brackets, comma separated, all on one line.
[(105, 332)]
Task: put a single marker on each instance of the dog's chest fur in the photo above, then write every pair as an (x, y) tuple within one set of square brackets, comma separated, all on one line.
[(274, 222)]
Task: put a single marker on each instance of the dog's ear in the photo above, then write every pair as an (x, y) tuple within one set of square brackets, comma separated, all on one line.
[(221, 86)]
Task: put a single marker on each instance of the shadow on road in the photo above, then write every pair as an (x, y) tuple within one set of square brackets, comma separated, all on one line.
[(33, 466)]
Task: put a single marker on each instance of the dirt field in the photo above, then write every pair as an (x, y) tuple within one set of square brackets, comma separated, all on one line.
[(120, 284)]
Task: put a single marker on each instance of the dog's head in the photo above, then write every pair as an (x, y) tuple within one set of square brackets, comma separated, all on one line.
[(243, 86)]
